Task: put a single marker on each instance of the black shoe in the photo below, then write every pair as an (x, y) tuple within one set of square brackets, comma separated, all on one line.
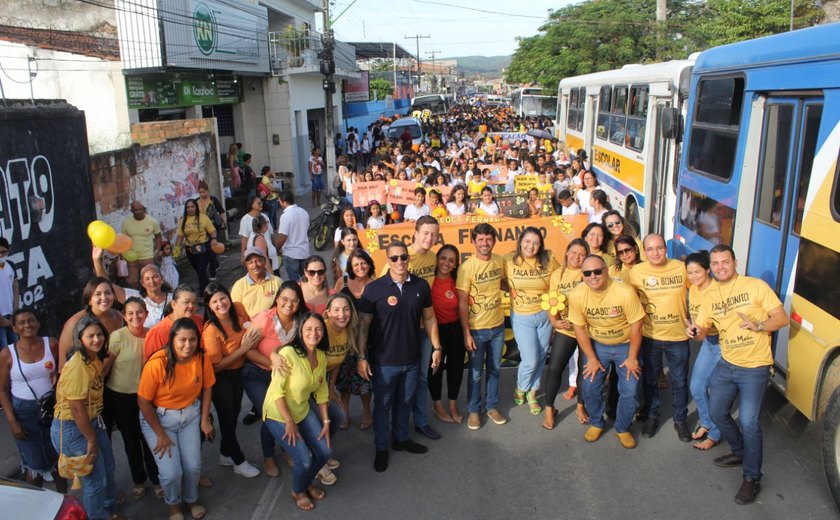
[(651, 427), (428, 431), (682, 431), (641, 418), (748, 492), (380, 462), (251, 418), (409, 446), (729, 461)]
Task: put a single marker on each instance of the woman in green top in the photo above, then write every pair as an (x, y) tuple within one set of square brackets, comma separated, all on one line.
[(288, 416)]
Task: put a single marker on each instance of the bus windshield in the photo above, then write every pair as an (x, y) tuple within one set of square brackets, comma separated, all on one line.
[(435, 104), (539, 106)]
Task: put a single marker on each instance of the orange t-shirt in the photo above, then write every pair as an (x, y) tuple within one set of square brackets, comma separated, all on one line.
[(158, 335), (183, 389), (216, 347)]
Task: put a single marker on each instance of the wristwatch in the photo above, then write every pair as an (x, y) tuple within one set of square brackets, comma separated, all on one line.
[(760, 326), (437, 349)]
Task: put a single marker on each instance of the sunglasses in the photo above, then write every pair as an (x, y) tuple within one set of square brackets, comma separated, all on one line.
[(595, 272), (402, 258), (611, 225), (316, 272), (624, 251)]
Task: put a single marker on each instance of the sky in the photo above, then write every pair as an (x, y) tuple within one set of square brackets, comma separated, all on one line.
[(453, 31)]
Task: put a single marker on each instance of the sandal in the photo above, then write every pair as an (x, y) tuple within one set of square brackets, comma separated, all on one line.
[(534, 404), (549, 418), (706, 444), (519, 397), (176, 516), (697, 436), (303, 502), (138, 492), (365, 424), (316, 493), (582, 416), (197, 511), (205, 482), (159, 492)]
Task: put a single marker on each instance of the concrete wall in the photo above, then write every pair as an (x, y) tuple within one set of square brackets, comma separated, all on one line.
[(162, 170), (360, 115), (63, 15), (95, 86)]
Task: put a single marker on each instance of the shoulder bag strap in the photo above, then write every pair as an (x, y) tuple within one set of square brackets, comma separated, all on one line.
[(20, 369)]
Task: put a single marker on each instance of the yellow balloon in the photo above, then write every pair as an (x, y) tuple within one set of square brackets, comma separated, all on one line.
[(101, 234)]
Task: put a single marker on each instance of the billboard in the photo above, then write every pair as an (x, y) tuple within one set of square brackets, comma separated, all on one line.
[(356, 90), (183, 90)]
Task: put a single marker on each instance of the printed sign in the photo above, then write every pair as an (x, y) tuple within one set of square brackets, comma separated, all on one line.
[(445, 192), (525, 182), (165, 90), (401, 192), (364, 192)]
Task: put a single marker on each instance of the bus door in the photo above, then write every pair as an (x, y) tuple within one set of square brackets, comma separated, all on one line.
[(658, 168), (590, 122), (788, 145)]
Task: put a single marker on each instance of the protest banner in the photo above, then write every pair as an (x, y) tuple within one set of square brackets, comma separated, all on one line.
[(514, 204), (401, 192), (364, 192), (444, 191), (525, 182), (557, 231)]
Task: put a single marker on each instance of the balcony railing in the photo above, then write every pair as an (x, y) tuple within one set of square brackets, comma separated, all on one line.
[(296, 51)]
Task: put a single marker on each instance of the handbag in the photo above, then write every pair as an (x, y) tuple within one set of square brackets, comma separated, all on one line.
[(198, 249), (263, 191), (46, 403), (72, 467)]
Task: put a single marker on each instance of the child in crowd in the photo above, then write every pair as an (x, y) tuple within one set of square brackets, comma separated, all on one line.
[(168, 270)]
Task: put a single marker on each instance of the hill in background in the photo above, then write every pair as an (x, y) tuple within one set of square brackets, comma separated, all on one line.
[(484, 65)]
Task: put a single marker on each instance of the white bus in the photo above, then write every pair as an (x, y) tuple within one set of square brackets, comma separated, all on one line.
[(437, 104), (533, 102), (629, 122)]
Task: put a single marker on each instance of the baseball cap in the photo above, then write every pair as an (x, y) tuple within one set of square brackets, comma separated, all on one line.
[(254, 250)]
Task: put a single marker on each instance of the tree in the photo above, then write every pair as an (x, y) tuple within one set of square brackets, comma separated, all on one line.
[(379, 88), (606, 34)]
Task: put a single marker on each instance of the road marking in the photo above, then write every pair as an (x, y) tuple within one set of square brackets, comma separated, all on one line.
[(268, 499)]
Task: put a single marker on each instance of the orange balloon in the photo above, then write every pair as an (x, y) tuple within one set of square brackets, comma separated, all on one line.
[(395, 215), (415, 147), (218, 248), (122, 243)]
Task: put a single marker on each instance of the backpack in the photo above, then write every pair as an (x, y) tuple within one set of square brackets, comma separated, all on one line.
[(213, 214), (262, 190)]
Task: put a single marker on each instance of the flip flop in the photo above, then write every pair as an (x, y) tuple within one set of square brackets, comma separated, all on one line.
[(700, 437), (316, 493), (303, 502)]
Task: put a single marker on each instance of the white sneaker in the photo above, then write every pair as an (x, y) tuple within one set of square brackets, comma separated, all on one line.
[(246, 469), (225, 461), (327, 477)]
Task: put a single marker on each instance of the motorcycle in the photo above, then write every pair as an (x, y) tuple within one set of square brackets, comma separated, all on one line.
[(323, 226)]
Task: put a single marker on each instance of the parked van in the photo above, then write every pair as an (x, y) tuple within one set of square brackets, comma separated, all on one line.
[(413, 125)]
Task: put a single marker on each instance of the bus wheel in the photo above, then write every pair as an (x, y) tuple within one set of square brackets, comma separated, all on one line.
[(831, 445), (631, 215)]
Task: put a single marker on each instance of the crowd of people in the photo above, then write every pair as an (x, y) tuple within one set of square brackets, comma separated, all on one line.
[(149, 361)]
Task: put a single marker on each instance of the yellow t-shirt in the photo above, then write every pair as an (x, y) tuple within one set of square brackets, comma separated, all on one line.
[(127, 351), (607, 315), (420, 265), (142, 233), (563, 281), (662, 291), (339, 346), (619, 274), (481, 280), (544, 188), (271, 194), (476, 187), (196, 232), (296, 387), (80, 381), (528, 282), (255, 297), (695, 296), (720, 305)]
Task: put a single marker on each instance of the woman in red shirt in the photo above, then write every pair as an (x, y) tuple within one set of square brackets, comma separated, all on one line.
[(445, 304)]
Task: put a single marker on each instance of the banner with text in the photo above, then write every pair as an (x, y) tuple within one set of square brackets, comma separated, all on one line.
[(402, 192), (364, 192)]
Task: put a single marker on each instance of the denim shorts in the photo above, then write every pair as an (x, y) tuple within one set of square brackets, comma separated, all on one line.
[(318, 182), (37, 453)]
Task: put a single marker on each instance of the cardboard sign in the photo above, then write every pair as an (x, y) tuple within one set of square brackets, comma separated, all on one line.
[(444, 191), (525, 182), (364, 192), (401, 192), (557, 231)]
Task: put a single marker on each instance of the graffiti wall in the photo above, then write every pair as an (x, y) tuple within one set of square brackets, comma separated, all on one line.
[(162, 175), (45, 206)]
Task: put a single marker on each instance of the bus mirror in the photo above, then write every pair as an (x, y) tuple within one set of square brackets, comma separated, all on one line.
[(670, 123)]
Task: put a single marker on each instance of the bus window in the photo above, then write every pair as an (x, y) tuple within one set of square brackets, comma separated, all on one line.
[(618, 120), (576, 102), (635, 138), (714, 131), (776, 141), (602, 131), (817, 264), (813, 115)]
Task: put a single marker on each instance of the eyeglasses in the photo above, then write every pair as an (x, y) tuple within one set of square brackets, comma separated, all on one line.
[(622, 252), (611, 225), (293, 301), (595, 272), (401, 258), (316, 272)]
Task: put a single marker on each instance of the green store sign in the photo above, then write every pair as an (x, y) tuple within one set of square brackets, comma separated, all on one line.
[(168, 91), (205, 31)]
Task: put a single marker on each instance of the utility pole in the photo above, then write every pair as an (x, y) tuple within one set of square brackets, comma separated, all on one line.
[(661, 18), (417, 38), (434, 70), (327, 67)]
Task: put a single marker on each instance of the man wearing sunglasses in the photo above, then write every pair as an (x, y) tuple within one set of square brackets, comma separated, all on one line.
[(662, 285), (390, 310), (607, 317), (479, 285)]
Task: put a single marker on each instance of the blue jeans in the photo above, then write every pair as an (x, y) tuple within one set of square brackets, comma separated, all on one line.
[(394, 387), (676, 353), (308, 453), (179, 471), (488, 354), (294, 268), (256, 381), (593, 391), (748, 384), (532, 333), (7, 336), (37, 454), (99, 487), (421, 394), (270, 208), (707, 358)]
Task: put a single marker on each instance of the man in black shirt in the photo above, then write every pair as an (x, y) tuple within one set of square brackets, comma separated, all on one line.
[(390, 310)]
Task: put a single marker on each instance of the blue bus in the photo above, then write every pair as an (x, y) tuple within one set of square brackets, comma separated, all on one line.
[(759, 171)]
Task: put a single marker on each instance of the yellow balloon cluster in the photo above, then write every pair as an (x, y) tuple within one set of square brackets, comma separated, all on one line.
[(101, 234)]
